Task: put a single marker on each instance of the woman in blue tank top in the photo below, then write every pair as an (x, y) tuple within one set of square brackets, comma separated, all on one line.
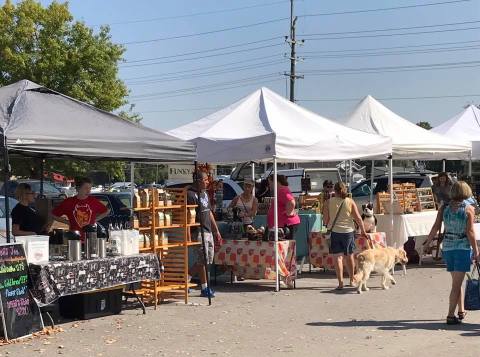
[(458, 242)]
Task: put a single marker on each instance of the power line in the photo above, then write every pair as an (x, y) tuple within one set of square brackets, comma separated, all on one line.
[(166, 74), (410, 68), (390, 48), (197, 14), (210, 73), (207, 32), (184, 90), (394, 53), (204, 51), (392, 34), (263, 82), (389, 98), (391, 29), (385, 8), (202, 57)]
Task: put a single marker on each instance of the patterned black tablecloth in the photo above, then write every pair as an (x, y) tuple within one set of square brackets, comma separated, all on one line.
[(55, 279)]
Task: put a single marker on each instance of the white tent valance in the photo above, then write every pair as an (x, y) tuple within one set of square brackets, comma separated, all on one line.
[(409, 141), (465, 126), (265, 125)]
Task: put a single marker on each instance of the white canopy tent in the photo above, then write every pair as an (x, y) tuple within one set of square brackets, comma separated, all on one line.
[(265, 126), (409, 141), (465, 126)]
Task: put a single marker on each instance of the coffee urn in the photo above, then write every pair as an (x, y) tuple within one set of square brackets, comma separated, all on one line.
[(74, 245), (91, 241)]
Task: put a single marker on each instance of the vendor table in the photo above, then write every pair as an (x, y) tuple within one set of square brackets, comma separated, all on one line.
[(55, 279), (310, 221), (406, 225), (256, 259)]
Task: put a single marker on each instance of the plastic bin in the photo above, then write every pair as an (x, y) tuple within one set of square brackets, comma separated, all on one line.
[(36, 248), (91, 305)]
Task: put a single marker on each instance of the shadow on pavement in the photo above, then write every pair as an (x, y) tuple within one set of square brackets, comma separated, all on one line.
[(469, 330)]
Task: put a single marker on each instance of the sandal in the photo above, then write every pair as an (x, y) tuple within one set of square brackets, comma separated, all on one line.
[(461, 315), (339, 287), (453, 320)]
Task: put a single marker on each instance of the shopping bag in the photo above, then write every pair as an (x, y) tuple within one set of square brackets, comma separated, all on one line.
[(472, 289)]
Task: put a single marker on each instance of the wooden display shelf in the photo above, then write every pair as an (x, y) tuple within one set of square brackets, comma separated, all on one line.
[(140, 209), (173, 255), (158, 208)]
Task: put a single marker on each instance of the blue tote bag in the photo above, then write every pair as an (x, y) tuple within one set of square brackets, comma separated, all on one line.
[(472, 289)]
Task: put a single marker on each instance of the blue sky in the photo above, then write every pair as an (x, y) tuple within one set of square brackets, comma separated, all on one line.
[(263, 62)]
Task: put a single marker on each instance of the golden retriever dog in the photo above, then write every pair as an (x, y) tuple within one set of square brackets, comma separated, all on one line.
[(381, 260)]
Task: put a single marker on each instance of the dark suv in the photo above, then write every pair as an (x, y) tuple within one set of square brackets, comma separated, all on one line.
[(119, 205)]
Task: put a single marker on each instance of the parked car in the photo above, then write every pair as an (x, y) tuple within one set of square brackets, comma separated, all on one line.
[(120, 187), (49, 189), (119, 204), (361, 190), (230, 189), (3, 224)]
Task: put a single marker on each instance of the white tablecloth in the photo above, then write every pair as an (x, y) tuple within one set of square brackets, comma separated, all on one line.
[(405, 225)]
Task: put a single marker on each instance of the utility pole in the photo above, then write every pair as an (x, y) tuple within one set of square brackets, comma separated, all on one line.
[(293, 56)]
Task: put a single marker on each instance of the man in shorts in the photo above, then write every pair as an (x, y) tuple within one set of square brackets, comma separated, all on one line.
[(210, 231)]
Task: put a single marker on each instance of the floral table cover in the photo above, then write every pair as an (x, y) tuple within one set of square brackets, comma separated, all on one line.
[(256, 259)]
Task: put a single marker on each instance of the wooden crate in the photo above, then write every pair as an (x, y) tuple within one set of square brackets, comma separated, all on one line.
[(425, 199)]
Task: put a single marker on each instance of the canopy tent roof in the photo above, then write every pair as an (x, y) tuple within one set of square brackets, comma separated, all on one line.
[(264, 124), (465, 126), (409, 140), (40, 122)]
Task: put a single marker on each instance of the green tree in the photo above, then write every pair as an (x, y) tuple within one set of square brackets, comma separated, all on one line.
[(46, 46), (424, 125)]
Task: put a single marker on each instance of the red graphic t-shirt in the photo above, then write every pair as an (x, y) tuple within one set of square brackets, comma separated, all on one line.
[(80, 212)]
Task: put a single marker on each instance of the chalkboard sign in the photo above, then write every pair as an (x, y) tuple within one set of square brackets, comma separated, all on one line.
[(20, 315)]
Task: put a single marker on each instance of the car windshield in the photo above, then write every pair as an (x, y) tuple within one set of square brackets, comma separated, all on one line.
[(126, 200), (47, 187)]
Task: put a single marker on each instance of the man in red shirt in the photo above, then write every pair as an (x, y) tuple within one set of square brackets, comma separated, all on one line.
[(82, 209)]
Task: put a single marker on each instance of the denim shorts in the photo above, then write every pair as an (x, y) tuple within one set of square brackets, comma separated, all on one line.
[(342, 243), (457, 260)]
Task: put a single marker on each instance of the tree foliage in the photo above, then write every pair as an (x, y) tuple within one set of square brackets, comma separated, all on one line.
[(424, 125), (47, 46)]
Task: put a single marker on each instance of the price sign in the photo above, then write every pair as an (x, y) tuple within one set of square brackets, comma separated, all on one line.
[(19, 311)]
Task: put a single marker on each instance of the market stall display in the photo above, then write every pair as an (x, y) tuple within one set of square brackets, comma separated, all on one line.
[(55, 279), (320, 256), (165, 219), (256, 260), (310, 221), (264, 126), (406, 225)]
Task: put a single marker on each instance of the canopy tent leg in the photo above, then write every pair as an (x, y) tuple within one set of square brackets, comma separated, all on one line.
[(132, 186), (275, 221), (42, 178), (444, 164), (6, 172), (470, 166), (372, 172), (390, 183), (253, 178)]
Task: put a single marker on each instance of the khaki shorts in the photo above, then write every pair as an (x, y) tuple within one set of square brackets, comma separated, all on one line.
[(209, 248)]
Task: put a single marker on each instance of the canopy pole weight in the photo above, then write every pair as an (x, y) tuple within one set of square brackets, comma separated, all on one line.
[(275, 220)]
